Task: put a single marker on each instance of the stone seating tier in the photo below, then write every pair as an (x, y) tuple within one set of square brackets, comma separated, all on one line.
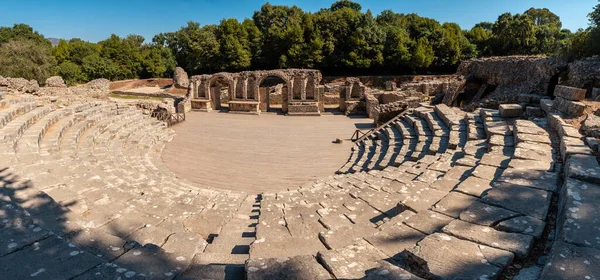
[(434, 193)]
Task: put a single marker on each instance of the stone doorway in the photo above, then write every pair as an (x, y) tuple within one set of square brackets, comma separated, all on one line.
[(220, 89), (273, 94)]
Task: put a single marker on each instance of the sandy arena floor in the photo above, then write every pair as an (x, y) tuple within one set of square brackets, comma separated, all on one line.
[(259, 153)]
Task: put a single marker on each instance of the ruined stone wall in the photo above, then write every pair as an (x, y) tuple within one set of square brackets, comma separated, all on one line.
[(511, 76), (585, 74), (99, 88), (302, 85)]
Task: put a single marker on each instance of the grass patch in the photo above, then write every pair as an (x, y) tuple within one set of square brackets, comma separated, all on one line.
[(123, 96)]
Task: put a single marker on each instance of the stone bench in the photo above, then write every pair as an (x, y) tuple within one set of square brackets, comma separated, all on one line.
[(244, 107)]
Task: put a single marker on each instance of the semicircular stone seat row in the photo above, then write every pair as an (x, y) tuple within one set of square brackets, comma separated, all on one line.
[(435, 193), (84, 195)]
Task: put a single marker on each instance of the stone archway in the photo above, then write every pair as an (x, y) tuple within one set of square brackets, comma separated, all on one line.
[(215, 86), (273, 91)]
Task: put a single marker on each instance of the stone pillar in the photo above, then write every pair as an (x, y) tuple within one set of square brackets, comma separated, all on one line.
[(303, 88)]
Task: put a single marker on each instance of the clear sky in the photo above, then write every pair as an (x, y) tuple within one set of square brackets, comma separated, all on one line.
[(95, 20)]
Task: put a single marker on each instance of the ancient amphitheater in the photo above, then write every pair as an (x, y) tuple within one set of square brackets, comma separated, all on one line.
[(504, 188)]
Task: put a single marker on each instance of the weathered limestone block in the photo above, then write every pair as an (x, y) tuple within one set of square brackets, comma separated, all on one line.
[(546, 105), (298, 267), (388, 271), (518, 244), (570, 146), (533, 111), (485, 214), (523, 224), (453, 204), (441, 256), (572, 262), (570, 108), (592, 143), (525, 200), (180, 78), (569, 93), (539, 179), (428, 221), (583, 167), (591, 125), (474, 186), (395, 239), (51, 258), (351, 262), (55, 81), (510, 110), (579, 215)]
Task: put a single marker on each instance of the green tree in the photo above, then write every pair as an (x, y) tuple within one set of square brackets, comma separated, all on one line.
[(345, 4), (481, 38), (195, 48), (22, 31), (78, 49), (70, 72), (282, 31), (94, 66), (157, 62), (595, 16), (396, 51), (423, 54), (26, 58), (234, 45), (514, 35), (61, 52), (125, 53)]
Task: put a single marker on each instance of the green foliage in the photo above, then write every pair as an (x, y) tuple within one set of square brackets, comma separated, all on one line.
[(22, 31), (26, 58), (423, 54), (157, 62), (70, 72), (340, 37), (235, 47), (345, 4), (94, 67), (595, 16), (584, 42)]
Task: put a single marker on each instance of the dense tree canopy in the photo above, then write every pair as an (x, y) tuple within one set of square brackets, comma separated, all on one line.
[(337, 39)]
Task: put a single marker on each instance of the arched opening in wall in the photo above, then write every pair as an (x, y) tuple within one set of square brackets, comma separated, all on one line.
[(553, 83), (220, 89), (273, 92)]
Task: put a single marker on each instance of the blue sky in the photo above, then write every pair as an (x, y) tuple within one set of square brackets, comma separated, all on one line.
[(95, 20)]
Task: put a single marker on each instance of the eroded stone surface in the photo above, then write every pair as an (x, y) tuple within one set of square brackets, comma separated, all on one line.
[(518, 244), (581, 221), (572, 262), (448, 257), (298, 267), (583, 167), (485, 214)]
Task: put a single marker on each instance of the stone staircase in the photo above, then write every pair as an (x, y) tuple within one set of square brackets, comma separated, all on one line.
[(436, 193)]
